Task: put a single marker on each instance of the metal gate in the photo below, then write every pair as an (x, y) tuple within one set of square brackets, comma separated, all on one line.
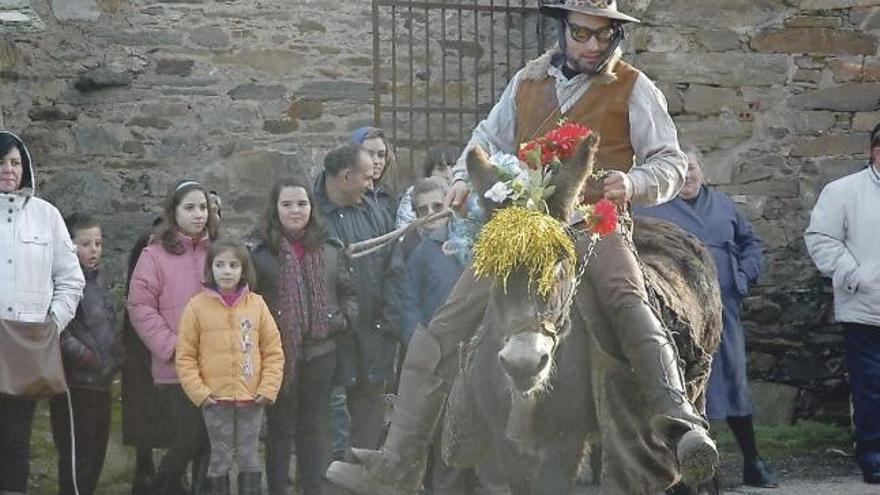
[(440, 65)]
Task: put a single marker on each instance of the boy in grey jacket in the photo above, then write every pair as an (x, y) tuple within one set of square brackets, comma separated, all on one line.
[(91, 348)]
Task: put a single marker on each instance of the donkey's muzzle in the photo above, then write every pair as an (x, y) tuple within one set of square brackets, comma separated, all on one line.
[(526, 359)]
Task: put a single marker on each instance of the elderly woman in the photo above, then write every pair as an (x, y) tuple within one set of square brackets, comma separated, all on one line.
[(714, 218), (41, 284)]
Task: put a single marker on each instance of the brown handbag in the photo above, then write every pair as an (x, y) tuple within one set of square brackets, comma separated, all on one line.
[(30, 359)]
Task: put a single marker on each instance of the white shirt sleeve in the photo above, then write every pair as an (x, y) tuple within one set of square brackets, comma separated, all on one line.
[(660, 167), (496, 132)]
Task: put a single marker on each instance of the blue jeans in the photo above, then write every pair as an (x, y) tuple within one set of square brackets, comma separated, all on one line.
[(340, 422), (863, 364)]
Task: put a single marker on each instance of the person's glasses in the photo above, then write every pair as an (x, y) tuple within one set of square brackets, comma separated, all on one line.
[(425, 210), (582, 34)]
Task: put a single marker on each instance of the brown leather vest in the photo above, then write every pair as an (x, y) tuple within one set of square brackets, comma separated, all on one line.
[(604, 108)]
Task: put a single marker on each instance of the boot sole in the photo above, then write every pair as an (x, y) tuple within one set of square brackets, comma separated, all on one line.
[(356, 479), (697, 458)]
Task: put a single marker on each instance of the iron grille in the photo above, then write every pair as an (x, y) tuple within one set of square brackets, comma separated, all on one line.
[(439, 66)]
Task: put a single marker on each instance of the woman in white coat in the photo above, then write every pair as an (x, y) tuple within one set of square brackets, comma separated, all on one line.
[(41, 283)]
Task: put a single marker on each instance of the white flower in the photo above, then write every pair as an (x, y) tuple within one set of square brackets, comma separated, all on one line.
[(499, 192), (506, 162)]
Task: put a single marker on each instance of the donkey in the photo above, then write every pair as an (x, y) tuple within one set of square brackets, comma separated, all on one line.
[(541, 380)]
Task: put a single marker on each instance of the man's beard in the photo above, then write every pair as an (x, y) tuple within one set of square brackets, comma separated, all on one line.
[(583, 67)]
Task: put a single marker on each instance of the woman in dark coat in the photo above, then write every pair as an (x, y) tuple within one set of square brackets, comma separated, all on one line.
[(714, 218), (142, 423), (304, 278)]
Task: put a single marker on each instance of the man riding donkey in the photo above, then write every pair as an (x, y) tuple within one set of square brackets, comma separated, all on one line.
[(582, 80)]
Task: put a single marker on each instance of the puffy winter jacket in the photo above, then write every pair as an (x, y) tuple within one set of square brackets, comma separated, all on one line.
[(229, 353), (843, 238), (160, 288)]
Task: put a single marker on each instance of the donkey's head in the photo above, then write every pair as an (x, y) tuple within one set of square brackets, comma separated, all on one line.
[(533, 323)]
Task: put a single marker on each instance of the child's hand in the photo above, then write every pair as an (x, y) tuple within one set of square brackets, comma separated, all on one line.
[(210, 401), (338, 321), (261, 401)]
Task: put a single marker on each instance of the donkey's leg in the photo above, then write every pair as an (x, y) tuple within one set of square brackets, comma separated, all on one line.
[(647, 346), (428, 370)]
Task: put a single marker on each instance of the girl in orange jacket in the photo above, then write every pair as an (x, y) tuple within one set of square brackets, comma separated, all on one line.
[(230, 361)]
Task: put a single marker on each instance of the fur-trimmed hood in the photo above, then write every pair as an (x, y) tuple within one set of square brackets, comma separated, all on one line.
[(537, 68), (28, 185)]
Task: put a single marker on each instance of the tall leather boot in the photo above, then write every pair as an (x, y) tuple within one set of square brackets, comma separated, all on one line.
[(399, 467), (654, 360), (250, 483)]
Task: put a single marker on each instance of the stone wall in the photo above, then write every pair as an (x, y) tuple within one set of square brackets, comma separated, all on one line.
[(119, 98)]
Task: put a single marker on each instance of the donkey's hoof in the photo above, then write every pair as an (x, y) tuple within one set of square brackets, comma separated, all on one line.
[(697, 457)]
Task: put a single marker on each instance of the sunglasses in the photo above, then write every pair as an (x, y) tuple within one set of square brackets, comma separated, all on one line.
[(425, 210), (582, 34)]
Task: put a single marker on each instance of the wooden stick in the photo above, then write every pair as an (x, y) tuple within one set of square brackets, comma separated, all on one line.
[(363, 248)]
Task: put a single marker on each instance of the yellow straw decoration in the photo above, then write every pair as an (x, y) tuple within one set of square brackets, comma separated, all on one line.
[(518, 237)]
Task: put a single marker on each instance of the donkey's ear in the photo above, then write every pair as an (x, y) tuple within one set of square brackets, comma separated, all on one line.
[(482, 173), (570, 178)]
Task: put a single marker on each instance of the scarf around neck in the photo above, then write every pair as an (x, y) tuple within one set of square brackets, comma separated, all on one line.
[(302, 299)]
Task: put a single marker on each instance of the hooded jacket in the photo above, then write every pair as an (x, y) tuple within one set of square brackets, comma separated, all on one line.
[(842, 239), (160, 288), (40, 276)]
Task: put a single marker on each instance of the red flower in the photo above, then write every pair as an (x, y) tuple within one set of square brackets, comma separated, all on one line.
[(603, 219), (558, 144)]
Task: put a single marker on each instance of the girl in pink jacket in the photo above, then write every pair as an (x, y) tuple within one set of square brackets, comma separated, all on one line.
[(168, 273)]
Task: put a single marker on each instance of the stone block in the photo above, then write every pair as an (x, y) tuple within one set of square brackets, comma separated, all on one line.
[(280, 126), (832, 169), (311, 26), (52, 112), (775, 403), (710, 100), (102, 78), (76, 10), (96, 140), (865, 121), (865, 18), (862, 70), (151, 122), (719, 69), (724, 14), (847, 97), (79, 190), (276, 62), (718, 40), (709, 133), (305, 109), (242, 117), (815, 40), (832, 145), (834, 4), (174, 67), (149, 37), (814, 21), (19, 17), (663, 40), (251, 91), (779, 187), (340, 90), (211, 37)]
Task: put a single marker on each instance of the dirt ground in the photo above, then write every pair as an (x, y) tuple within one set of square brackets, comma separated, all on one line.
[(819, 466)]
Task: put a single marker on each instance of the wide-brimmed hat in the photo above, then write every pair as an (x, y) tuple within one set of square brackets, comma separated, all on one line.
[(599, 8)]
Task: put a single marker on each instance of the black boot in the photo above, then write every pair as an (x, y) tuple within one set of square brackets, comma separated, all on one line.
[(217, 485), (250, 483), (758, 473)]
